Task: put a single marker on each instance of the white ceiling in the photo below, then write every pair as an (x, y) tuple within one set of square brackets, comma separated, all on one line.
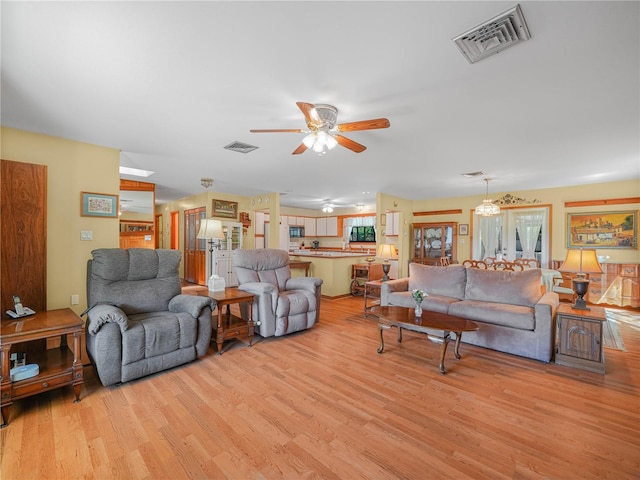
[(172, 83)]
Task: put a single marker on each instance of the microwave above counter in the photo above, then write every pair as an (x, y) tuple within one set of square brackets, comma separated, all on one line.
[(296, 232)]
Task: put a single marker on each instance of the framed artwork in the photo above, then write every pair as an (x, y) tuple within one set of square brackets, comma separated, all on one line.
[(603, 229), (225, 209), (383, 219), (463, 229), (98, 205)]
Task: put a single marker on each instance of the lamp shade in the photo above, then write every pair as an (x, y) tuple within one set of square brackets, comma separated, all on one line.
[(581, 261), (386, 251), (210, 228)]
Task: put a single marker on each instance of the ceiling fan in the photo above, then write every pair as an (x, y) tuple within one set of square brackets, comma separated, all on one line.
[(322, 133)]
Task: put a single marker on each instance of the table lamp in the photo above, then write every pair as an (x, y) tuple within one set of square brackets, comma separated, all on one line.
[(211, 230), (581, 261), (386, 252)]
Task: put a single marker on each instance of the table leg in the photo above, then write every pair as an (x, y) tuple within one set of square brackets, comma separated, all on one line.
[(250, 323), (381, 328), (220, 332), (458, 340), (365, 300), (399, 334), (443, 351)]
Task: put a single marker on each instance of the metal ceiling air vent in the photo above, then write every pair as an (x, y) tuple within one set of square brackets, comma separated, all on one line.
[(240, 147), (493, 36)]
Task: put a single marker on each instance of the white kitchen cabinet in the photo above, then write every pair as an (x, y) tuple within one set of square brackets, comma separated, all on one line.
[(232, 241), (332, 226), (321, 227), (326, 227), (259, 230), (300, 221), (310, 227), (393, 224)]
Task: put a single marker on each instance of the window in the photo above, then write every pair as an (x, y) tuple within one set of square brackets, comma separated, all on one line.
[(362, 234)]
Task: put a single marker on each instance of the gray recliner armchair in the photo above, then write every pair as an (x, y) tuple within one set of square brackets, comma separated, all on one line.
[(138, 322), (282, 304)]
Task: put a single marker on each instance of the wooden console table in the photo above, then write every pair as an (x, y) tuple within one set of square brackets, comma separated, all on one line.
[(58, 367)]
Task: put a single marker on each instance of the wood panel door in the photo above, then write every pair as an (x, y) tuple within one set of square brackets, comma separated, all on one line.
[(195, 250), (23, 235)]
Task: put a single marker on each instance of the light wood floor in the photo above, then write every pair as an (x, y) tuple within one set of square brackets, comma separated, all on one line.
[(323, 404)]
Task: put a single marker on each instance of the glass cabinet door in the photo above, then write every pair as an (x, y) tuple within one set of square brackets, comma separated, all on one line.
[(431, 241)]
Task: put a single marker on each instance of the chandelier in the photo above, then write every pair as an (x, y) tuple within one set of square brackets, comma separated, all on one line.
[(487, 208)]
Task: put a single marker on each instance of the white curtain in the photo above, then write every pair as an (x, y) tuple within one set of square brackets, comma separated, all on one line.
[(490, 238), (528, 226)]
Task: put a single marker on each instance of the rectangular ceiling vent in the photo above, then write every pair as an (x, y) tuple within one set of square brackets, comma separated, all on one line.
[(493, 36), (240, 147)]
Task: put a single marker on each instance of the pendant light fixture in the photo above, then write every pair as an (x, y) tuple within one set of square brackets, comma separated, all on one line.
[(487, 208)]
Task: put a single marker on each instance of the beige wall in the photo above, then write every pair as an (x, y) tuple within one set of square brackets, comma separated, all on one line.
[(555, 197), (73, 167), (204, 199)]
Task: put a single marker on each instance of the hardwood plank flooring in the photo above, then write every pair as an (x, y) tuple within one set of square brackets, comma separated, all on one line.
[(323, 404)]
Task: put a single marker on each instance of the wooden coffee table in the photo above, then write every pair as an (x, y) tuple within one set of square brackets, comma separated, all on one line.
[(437, 327)]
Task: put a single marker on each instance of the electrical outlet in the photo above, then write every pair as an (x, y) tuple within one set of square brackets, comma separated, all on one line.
[(75, 299), (86, 235)]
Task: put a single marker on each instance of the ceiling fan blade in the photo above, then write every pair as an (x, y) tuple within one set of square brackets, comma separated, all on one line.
[(289, 130), (310, 115), (364, 125), (350, 144), (301, 149)]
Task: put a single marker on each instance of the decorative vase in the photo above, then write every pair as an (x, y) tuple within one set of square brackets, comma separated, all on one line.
[(418, 309)]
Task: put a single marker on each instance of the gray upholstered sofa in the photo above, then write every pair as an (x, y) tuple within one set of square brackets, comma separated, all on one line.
[(138, 323), (515, 315), (282, 304)]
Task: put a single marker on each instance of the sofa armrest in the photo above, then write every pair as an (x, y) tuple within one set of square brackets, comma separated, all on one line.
[(399, 285), (303, 283), (190, 304), (105, 313)]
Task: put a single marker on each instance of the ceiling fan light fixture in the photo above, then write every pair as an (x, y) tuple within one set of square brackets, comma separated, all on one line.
[(328, 208)]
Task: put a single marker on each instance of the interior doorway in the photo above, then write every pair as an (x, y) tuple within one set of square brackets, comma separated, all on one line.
[(195, 249)]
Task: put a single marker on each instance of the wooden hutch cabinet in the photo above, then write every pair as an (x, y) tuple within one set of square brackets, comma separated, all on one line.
[(434, 240)]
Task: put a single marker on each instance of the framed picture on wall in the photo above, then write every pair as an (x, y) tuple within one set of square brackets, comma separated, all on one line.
[(463, 229), (602, 229), (225, 209), (98, 205)]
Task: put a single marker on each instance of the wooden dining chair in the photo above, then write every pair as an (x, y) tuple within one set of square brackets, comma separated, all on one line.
[(490, 260), (444, 261), (509, 266), (475, 264), (528, 262)]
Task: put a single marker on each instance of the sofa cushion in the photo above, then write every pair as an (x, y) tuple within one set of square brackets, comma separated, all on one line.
[(434, 303), (444, 281), (498, 286), (514, 316)]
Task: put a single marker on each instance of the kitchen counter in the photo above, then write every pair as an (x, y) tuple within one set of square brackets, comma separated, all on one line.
[(334, 268)]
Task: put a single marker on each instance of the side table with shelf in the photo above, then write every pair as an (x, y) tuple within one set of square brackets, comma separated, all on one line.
[(58, 367), (229, 326), (580, 338)]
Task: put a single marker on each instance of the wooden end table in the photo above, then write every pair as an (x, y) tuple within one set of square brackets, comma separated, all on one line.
[(229, 326), (58, 367), (371, 290), (580, 338), (437, 327)]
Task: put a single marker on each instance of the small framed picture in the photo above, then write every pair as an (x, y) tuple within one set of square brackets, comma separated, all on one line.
[(463, 229), (98, 205), (383, 219)]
